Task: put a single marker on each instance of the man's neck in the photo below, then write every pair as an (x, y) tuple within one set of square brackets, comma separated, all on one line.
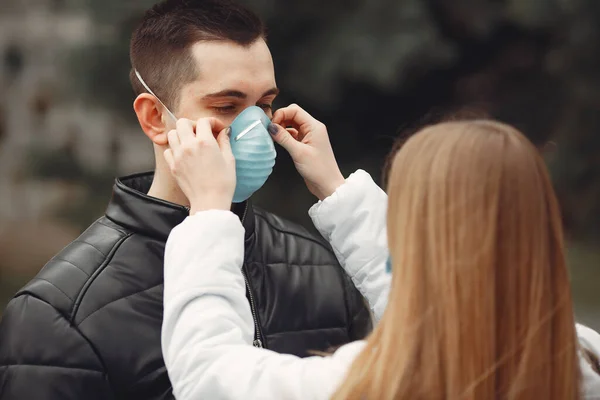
[(165, 188)]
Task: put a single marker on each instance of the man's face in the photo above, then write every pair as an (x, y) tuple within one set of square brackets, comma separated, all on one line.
[(231, 78)]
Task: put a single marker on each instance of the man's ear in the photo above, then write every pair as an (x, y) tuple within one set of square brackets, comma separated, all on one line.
[(150, 116)]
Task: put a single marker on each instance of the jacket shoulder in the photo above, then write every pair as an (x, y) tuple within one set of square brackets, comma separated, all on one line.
[(34, 334), (266, 219), (297, 241), (64, 279)]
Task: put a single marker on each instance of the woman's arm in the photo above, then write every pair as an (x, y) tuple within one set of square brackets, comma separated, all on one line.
[(208, 328), (353, 220)]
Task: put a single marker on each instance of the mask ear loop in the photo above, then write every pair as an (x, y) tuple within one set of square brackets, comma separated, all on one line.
[(152, 93)]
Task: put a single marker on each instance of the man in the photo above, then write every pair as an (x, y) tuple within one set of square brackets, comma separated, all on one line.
[(88, 326)]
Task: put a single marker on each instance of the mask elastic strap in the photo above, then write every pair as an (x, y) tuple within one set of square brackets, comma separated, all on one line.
[(152, 93)]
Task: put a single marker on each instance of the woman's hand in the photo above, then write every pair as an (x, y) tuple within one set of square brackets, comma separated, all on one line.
[(203, 166), (308, 144)]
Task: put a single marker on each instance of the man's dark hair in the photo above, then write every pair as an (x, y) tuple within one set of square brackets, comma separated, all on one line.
[(160, 46)]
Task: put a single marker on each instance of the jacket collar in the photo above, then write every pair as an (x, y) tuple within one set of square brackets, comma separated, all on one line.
[(132, 208)]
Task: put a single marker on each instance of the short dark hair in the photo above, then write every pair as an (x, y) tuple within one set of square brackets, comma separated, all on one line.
[(160, 46)]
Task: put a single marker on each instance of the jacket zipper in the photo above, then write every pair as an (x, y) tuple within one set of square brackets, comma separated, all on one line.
[(257, 337), (257, 334)]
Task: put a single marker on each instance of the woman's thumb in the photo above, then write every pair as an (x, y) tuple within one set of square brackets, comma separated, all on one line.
[(284, 138)]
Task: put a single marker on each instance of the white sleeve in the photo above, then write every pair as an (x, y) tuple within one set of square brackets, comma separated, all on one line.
[(353, 220), (208, 327), (590, 341)]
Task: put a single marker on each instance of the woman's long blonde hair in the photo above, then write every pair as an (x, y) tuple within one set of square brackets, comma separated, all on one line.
[(480, 304)]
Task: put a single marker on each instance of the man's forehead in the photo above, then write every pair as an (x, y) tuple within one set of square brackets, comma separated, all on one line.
[(223, 65)]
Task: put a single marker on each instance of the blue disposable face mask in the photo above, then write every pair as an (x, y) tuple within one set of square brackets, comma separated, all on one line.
[(254, 152), (388, 265), (251, 145)]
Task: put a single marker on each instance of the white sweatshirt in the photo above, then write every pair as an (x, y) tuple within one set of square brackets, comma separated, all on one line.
[(208, 328)]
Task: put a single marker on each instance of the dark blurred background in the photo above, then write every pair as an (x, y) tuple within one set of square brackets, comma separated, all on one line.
[(372, 70)]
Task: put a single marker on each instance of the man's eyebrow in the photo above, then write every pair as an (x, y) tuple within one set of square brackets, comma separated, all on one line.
[(271, 92), (227, 93), (238, 94)]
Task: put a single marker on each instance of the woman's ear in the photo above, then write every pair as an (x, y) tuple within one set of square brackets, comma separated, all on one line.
[(150, 116)]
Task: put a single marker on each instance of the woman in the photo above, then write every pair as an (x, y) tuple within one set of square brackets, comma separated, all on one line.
[(479, 305)]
